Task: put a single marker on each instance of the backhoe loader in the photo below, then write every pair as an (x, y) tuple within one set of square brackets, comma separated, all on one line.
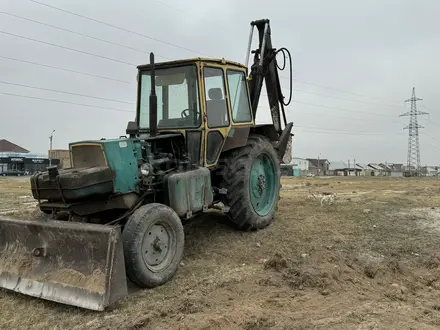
[(117, 213)]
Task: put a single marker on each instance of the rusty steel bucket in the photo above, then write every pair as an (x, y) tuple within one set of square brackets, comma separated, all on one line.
[(72, 263)]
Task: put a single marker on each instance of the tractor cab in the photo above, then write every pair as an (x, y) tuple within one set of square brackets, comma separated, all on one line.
[(205, 100)]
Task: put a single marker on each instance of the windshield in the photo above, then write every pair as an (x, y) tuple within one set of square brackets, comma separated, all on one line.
[(177, 98)]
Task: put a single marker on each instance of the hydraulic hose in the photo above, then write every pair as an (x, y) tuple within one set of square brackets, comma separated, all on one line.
[(286, 51)]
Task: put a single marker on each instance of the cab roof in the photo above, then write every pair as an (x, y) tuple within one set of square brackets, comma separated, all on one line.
[(190, 61)]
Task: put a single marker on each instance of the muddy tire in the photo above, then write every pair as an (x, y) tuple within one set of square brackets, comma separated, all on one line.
[(251, 175), (153, 241)]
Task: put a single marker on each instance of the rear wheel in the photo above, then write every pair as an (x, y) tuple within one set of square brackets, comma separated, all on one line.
[(252, 179), (153, 241)]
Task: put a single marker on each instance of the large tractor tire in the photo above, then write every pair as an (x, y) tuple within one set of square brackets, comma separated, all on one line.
[(153, 241), (251, 176)]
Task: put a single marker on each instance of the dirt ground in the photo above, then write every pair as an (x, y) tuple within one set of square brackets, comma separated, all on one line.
[(343, 253)]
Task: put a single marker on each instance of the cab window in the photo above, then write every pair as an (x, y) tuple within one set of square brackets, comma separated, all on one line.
[(216, 108), (177, 98), (241, 110)]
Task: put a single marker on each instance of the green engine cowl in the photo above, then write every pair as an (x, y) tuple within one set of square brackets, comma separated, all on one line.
[(99, 168), (121, 155)]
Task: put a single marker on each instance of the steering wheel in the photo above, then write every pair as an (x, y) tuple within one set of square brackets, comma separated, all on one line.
[(183, 113)]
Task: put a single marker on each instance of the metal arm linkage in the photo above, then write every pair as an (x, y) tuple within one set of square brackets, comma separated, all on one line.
[(265, 69)]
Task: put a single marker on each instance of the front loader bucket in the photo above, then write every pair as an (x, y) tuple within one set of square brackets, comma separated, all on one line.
[(72, 263)]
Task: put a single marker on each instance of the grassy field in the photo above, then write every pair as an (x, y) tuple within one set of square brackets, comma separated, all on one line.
[(343, 253)]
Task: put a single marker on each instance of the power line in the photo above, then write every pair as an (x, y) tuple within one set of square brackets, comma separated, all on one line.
[(341, 117), (123, 110), (64, 69), (65, 102), (116, 27), (347, 99), (348, 118), (342, 130), (429, 136), (67, 48), (181, 10), (82, 16), (352, 134), (322, 130), (337, 89), (64, 92), (434, 147), (143, 51), (185, 48), (433, 122), (341, 109), (342, 98), (80, 34), (303, 81), (131, 83)]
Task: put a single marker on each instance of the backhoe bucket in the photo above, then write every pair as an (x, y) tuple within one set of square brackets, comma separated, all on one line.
[(72, 263)]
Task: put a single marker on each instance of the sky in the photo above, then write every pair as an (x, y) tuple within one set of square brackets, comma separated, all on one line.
[(354, 65)]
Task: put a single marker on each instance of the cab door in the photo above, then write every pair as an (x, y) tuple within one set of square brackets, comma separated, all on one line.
[(217, 112)]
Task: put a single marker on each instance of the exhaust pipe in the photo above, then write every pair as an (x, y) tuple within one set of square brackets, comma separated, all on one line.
[(153, 99)]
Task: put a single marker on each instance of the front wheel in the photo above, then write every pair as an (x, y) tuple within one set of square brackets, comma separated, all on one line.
[(153, 240)]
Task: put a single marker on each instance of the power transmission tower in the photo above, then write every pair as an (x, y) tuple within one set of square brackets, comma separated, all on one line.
[(413, 160)]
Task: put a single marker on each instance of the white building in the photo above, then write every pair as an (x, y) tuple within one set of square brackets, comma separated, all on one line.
[(300, 163), (431, 171)]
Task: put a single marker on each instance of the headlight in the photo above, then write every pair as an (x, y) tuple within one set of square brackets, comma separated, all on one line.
[(145, 169)]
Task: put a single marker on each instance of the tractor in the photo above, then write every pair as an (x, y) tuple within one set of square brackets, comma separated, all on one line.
[(117, 213)]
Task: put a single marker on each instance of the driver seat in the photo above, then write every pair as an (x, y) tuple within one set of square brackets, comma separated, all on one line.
[(216, 109)]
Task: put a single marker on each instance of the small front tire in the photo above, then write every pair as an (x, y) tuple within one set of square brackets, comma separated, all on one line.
[(153, 241)]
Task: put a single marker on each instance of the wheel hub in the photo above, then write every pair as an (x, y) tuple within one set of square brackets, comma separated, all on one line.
[(263, 184), (155, 245)]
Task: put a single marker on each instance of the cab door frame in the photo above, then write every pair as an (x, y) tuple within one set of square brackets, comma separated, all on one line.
[(239, 132), (214, 137)]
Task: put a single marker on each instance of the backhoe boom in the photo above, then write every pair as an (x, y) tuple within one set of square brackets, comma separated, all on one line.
[(265, 68)]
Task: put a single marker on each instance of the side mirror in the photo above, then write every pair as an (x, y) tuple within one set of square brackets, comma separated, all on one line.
[(132, 129)]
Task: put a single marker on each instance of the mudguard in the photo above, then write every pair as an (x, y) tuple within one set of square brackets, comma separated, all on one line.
[(72, 263)]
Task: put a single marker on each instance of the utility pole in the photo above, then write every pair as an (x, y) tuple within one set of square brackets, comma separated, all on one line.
[(50, 148), (354, 165), (319, 169), (413, 158)]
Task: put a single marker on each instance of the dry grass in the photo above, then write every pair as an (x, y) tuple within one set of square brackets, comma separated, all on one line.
[(368, 258)]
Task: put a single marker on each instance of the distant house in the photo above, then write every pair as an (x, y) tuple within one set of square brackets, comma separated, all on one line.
[(338, 168), (430, 170), (343, 168), (409, 171), (286, 169), (300, 163), (318, 166), (296, 167), (7, 146), (376, 169), (397, 167), (386, 169), (362, 170), (391, 167), (394, 170), (16, 160)]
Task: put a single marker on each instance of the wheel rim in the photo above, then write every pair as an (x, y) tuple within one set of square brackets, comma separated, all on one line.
[(158, 247), (263, 184)]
